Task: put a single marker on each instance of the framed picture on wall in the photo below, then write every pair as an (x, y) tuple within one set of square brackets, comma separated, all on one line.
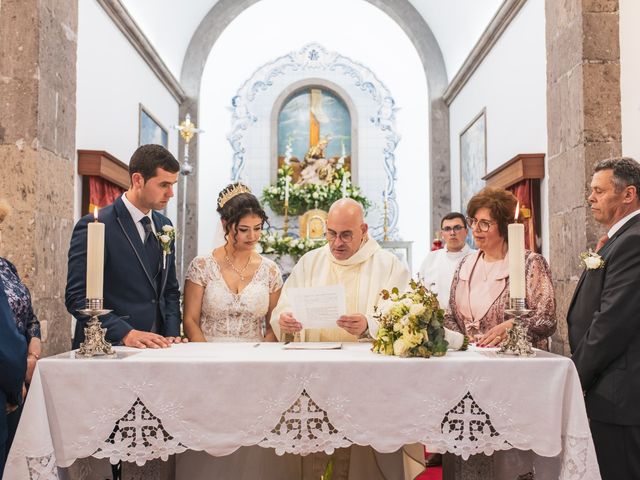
[(151, 130), (473, 158)]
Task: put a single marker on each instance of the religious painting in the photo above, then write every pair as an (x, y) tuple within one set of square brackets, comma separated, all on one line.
[(314, 135), (473, 158), (150, 130)]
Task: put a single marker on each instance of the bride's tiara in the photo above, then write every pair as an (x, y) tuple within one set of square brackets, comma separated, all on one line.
[(232, 191)]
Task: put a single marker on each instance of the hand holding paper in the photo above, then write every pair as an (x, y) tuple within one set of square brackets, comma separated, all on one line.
[(318, 307)]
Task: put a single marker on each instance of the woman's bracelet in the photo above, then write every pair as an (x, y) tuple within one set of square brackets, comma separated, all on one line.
[(33, 354)]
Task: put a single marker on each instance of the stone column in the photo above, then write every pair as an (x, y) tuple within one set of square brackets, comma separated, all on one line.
[(37, 151), (583, 127)]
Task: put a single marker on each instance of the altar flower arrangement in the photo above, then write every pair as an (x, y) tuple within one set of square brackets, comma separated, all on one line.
[(273, 243), (411, 324), (591, 260), (311, 195), (166, 237)]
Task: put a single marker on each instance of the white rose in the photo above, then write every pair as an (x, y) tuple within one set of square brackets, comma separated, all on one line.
[(167, 228), (455, 339), (315, 195), (399, 347), (165, 238), (592, 262), (416, 309), (407, 301)]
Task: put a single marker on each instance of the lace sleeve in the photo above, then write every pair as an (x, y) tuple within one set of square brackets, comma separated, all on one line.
[(275, 278), (197, 271), (540, 297)]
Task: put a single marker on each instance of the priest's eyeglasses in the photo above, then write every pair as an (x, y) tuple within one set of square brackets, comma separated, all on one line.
[(483, 225), (455, 229), (345, 236)]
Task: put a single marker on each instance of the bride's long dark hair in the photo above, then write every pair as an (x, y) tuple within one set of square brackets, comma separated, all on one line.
[(236, 208)]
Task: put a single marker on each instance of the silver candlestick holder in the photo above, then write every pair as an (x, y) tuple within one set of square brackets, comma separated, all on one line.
[(95, 342), (517, 342)]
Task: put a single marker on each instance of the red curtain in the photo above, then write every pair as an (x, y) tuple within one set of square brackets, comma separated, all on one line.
[(102, 192), (524, 193)]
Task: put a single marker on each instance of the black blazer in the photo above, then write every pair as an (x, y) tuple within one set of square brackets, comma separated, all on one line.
[(604, 330), (13, 366), (129, 287)]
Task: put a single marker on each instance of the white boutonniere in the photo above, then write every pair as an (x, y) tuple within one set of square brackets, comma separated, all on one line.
[(591, 260), (166, 237)]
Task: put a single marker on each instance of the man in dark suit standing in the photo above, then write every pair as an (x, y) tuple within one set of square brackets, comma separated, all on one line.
[(604, 321), (13, 366), (139, 286)]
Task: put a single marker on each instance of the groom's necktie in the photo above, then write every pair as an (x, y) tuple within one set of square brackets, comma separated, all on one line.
[(151, 247), (603, 239)]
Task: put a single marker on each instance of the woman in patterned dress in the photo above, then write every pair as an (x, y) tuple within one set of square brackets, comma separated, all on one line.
[(28, 325)]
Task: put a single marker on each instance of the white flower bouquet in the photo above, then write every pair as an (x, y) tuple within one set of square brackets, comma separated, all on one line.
[(411, 324), (273, 243)]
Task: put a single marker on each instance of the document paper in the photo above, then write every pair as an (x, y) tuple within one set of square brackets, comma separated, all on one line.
[(318, 307)]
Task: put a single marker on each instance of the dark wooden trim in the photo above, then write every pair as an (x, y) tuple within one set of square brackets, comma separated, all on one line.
[(102, 164), (520, 167)]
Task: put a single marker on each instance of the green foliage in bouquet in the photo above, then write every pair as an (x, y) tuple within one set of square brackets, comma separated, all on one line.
[(273, 243), (312, 195), (411, 324)]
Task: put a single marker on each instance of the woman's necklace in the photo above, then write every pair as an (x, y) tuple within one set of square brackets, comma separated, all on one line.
[(486, 271), (240, 271)]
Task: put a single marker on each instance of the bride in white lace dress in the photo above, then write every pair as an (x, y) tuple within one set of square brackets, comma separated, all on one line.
[(230, 292), (228, 297)]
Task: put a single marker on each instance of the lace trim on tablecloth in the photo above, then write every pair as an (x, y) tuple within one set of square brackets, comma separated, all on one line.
[(577, 462), (42, 468), (304, 428), (138, 436)]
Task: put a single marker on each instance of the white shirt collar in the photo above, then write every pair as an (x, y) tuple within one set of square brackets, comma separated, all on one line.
[(618, 225), (136, 214), (465, 249)]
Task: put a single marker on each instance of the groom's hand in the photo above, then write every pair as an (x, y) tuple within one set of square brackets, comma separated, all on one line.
[(140, 339), (355, 324), (288, 324)]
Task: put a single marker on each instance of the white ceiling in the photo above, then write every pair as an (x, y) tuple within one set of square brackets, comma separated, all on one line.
[(170, 24)]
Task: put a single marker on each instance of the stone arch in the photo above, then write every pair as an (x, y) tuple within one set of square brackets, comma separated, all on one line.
[(414, 26)]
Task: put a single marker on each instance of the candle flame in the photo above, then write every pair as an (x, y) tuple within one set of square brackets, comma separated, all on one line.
[(95, 213), (517, 211)]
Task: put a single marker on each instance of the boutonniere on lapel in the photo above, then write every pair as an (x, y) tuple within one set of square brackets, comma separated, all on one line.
[(165, 237), (591, 260)]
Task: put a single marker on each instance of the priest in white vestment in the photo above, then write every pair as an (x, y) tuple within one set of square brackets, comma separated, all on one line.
[(356, 261), (352, 259)]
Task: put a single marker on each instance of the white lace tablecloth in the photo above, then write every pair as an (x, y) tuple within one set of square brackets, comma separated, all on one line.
[(218, 397)]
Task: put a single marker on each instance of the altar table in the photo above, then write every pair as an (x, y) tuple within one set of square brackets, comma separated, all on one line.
[(218, 397)]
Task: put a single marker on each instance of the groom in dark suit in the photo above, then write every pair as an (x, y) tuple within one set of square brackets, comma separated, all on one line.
[(140, 288), (604, 321)]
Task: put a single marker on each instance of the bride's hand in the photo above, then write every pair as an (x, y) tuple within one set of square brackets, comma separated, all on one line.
[(288, 324), (177, 339)]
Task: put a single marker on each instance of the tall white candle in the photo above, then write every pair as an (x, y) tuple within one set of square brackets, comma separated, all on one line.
[(286, 190), (95, 257), (516, 259), (344, 185)]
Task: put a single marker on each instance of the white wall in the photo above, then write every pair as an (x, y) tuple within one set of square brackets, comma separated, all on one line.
[(511, 84), (630, 77), (112, 81), (375, 41)]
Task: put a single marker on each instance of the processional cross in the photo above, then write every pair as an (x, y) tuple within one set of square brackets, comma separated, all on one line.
[(187, 130)]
